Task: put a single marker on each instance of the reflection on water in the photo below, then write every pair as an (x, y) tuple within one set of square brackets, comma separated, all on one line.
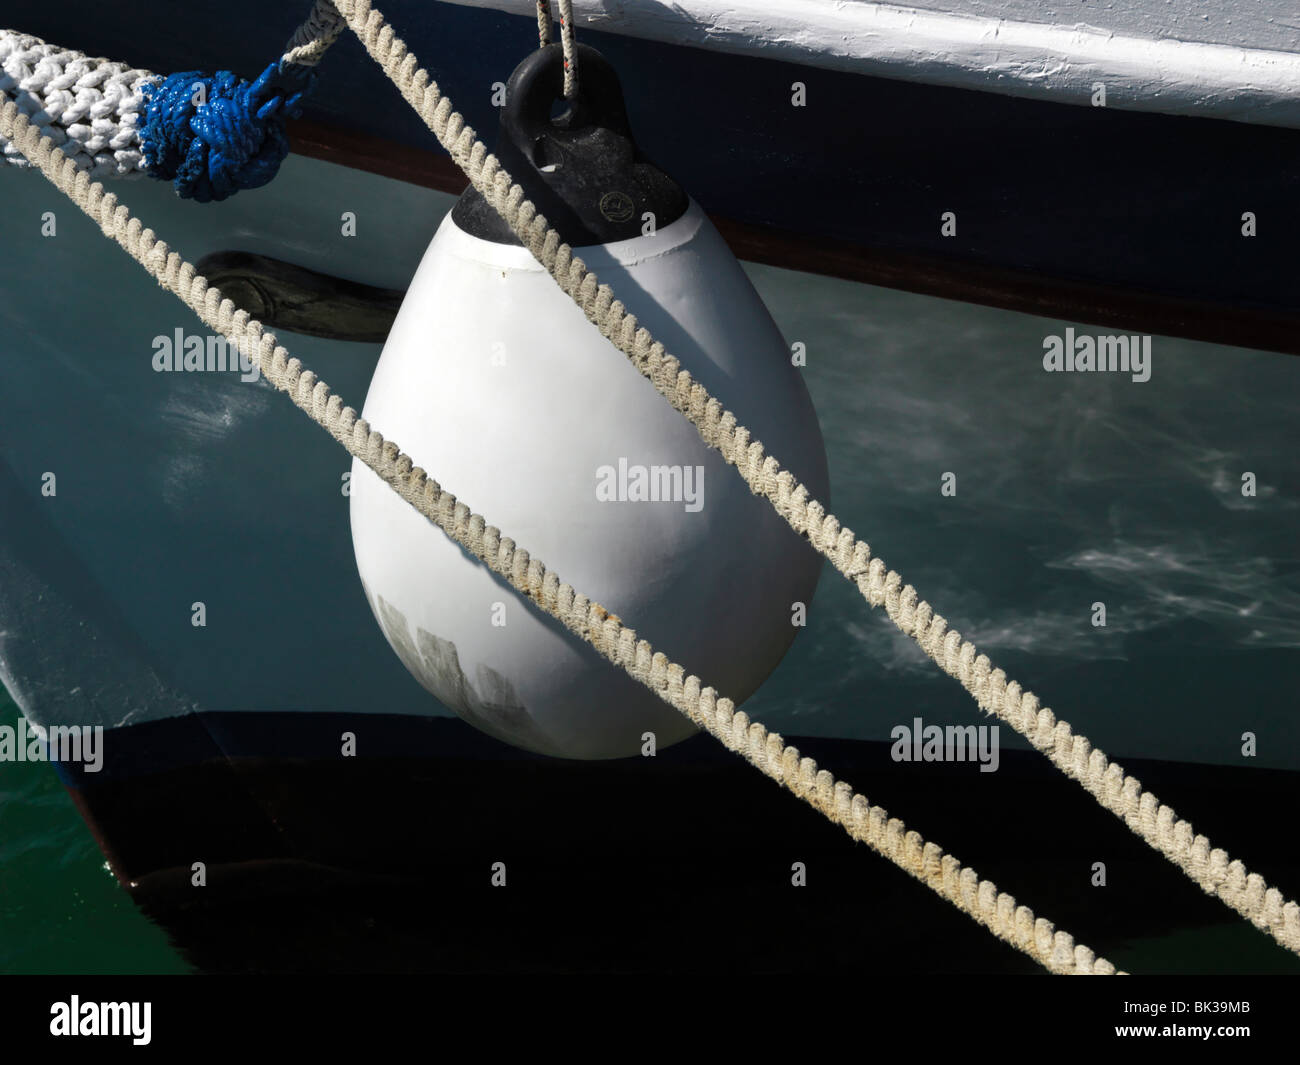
[(1072, 489)]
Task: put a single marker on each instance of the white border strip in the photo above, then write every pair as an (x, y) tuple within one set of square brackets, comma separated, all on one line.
[(1060, 63)]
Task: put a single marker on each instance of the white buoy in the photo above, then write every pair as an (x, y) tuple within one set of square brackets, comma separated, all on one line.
[(493, 380)]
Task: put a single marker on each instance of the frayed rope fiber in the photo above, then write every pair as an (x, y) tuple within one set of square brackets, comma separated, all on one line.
[(212, 135)]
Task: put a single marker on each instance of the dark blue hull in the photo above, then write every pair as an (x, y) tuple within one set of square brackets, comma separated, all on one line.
[(1107, 216), (681, 863)]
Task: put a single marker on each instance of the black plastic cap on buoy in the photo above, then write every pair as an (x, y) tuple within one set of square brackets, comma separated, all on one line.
[(582, 169)]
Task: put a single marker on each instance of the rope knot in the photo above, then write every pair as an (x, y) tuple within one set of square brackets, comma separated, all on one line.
[(212, 135)]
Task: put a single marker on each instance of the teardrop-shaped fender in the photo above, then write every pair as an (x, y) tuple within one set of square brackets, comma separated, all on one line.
[(494, 382)]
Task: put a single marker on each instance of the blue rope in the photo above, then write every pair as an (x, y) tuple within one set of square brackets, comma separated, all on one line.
[(234, 141)]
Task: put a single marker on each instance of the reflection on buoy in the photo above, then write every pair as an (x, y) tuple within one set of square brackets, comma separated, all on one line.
[(493, 378)]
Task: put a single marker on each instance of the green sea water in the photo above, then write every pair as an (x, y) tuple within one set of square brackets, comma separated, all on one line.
[(61, 910)]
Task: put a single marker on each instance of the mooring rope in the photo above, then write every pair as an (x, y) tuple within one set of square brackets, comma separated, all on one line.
[(979, 898), (210, 135)]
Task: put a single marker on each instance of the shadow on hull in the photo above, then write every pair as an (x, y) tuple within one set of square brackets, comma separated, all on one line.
[(679, 863)]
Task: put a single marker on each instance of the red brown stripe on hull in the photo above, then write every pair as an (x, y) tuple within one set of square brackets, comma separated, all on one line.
[(969, 281)]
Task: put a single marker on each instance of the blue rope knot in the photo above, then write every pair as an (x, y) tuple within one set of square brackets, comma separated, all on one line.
[(234, 140)]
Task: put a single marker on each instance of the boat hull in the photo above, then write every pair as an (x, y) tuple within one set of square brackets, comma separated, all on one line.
[(476, 858), (1089, 212)]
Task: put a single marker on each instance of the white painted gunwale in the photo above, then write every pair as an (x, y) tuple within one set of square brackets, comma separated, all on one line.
[(1239, 81)]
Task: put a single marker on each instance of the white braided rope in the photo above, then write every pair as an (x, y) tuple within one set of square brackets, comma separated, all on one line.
[(88, 107), (978, 898), (1157, 824)]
